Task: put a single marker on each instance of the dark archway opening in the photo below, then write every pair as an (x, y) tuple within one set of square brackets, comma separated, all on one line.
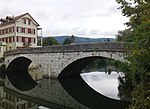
[(17, 73), (77, 66)]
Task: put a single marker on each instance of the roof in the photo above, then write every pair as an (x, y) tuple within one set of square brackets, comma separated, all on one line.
[(14, 18)]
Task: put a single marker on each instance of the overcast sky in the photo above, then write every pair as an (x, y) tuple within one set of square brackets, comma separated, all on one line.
[(86, 18)]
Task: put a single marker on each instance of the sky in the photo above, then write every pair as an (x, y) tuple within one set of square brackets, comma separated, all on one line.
[(83, 18), (96, 80)]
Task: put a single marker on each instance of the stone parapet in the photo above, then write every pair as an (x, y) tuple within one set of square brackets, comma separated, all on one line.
[(72, 48)]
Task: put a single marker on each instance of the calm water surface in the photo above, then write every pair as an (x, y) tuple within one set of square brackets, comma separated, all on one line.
[(94, 90), (106, 84)]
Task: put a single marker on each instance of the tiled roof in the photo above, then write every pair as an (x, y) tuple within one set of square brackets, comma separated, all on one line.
[(13, 19)]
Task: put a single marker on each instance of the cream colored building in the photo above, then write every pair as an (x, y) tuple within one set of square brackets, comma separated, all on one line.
[(18, 32)]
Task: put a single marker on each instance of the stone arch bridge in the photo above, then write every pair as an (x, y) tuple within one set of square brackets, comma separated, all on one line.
[(56, 60)]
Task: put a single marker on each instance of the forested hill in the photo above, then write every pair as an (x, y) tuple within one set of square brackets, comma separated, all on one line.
[(61, 39)]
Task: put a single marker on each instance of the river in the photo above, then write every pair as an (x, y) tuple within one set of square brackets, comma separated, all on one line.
[(90, 90)]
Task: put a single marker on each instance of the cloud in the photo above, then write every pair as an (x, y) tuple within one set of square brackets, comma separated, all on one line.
[(96, 80), (88, 18), (112, 11)]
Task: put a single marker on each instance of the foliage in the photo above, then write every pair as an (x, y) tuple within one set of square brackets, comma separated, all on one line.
[(137, 11), (48, 41), (96, 64), (107, 64), (67, 41), (124, 35), (138, 32)]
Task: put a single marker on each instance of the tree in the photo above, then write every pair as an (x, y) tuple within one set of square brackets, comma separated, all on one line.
[(67, 41), (124, 36), (49, 41), (138, 32)]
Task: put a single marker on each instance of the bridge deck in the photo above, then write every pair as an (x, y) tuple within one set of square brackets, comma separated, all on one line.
[(120, 47)]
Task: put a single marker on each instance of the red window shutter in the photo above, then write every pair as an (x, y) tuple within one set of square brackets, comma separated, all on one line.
[(17, 39), (29, 40), (22, 29), (29, 31), (29, 21), (23, 39), (17, 29)]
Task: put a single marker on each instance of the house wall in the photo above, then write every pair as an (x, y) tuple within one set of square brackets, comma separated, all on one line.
[(19, 33)]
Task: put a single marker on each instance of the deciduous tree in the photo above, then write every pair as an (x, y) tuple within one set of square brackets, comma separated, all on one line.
[(138, 32), (48, 41)]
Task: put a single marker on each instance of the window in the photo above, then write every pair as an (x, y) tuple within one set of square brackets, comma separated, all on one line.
[(19, 29), (10, 39), (24, 21), (29, 21), (23, 39), (13, 38), (29, 40), (6, 30), (32, 31), (12, 29), (29, 31), (19, 39), (26, 40), (32, 40), (23, 30), (6, 40), (26, 30), (9, 30)]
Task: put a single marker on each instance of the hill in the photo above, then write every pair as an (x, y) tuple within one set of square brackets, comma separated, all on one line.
[(60, 39)]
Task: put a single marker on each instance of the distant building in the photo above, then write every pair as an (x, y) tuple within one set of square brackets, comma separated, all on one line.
[(18, 32)]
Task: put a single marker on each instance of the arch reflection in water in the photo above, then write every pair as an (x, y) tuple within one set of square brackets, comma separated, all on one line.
[(69, 92), (18, 75), (84, 94)]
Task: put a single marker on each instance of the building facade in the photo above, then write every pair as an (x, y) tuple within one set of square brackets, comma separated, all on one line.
[(18, 32)]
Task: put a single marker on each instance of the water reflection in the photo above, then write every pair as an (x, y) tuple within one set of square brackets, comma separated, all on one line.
[(104, 83), (9, 101), (66, 93), (80, 91)]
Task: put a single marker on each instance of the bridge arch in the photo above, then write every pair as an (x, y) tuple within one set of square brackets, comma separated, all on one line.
[(17, 73), (78, 65)]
